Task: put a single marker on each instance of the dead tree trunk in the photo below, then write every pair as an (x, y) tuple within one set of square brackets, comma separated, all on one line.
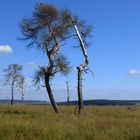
[(22, 100), (22, 95), (80, 68), (68, 93), (80, 96), (49, 90), (51, 55), (12, 94)]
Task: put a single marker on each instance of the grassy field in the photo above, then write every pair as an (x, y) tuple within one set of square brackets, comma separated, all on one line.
[(34, 122)]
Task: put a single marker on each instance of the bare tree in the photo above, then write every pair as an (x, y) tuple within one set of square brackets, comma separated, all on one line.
[(21, 86), (42, 77), (68, 92), (44, 30), (47, 29), (82, 32), (12, 77)]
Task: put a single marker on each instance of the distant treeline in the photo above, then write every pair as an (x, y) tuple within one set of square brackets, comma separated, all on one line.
[(25, 102), (104, 102), (86, 102)]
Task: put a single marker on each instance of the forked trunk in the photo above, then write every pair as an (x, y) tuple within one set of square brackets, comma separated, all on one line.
[(80, 96), (49, 90)]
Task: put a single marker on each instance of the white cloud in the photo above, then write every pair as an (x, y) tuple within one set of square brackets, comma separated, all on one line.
[(5, 49), (134, 72)]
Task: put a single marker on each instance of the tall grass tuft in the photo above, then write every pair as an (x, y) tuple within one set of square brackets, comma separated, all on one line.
[(39, 122)]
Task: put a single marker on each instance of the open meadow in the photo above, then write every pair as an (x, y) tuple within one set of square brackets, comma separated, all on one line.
[(39, 122)]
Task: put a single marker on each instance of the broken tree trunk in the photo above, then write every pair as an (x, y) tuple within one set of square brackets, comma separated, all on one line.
[(80, 68), (68, 93)]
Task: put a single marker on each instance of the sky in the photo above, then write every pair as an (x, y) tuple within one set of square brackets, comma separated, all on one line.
[(114, 52)]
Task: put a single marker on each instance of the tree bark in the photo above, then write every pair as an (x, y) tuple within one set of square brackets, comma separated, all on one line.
[(22, 100), (81, 68), (49, 90), (68, 96), (80, 96), (68, 100), (22, 96), (81, 44), (12, 95)]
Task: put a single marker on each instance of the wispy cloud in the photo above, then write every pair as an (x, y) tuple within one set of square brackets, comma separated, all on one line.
[(134, 72), (5, 49), (32, 65)]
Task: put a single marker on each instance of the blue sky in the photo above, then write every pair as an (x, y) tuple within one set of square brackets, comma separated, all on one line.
[(114, 53)]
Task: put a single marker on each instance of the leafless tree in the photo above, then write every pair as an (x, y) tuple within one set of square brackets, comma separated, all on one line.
[(47, 29), (12, 77), (21, 86), (68, 92), (44, 30), (82, 32)]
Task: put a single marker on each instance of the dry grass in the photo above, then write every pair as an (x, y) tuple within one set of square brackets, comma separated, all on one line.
[(34, 122)]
